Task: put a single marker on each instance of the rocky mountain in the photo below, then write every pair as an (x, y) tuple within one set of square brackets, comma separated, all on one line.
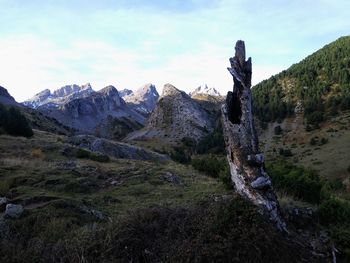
[(143, 99), (204, 89), (176, 116), (6, 98), (46, 100), (97, 111)]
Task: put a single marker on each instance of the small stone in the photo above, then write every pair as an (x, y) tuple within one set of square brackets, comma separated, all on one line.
[(172, 178), (14, 211), (261, 183)]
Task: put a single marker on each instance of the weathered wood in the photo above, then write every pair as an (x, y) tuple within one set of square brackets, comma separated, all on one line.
[(246, 161)]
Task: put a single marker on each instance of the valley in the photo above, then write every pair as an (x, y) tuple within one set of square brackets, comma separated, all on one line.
[(140, 176)]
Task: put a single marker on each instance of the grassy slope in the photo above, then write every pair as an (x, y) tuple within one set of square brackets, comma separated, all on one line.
[(35, 167), (331, 159)]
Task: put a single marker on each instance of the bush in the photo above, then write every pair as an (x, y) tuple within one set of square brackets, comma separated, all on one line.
[(81, 153), (212, 143), (334, 211), (179, 154), (314, 118), (209, 164), (285, 152), (296, 181), (102, 158), (278, 130)]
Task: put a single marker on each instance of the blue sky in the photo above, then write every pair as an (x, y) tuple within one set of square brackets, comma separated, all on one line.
[(48, 44)]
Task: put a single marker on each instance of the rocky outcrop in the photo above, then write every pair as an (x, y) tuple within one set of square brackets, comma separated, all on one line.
[(245, 159), (142, 100), (14, 211), (6, 98), (176, 116), (114, 149)]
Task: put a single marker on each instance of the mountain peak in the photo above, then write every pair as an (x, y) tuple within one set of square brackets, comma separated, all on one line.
[(204, 89), (170, 90), (143, 99), (109, 91)]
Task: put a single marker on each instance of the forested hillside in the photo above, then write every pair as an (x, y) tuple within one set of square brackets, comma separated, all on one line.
[(319, 84)]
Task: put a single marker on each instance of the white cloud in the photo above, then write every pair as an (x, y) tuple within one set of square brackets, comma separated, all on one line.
[(31, 64)]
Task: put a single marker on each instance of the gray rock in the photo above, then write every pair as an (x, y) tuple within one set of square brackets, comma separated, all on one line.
[(14, 211), (172, 178), (261, 183), (114, 149)]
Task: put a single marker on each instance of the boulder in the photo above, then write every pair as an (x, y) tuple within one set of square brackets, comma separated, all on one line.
[(261, 183), (14, 211)]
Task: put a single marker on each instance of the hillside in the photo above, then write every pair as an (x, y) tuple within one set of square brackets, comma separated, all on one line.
[(319, 86)]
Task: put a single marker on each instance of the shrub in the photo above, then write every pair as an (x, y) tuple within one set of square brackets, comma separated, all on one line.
[(314, 118), (334, 211), (81, 153), (102, 158), (209, 164), (299, 182), (212, 143), (180, 155), (278, 130), (285, 152)]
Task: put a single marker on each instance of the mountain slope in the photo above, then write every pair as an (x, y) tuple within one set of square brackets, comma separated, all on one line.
[(6, 98), (319, 85)]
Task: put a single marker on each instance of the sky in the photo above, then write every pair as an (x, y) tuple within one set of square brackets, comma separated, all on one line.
[(46, 44)]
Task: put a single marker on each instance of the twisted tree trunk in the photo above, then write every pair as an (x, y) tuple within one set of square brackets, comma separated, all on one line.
[(246, 161)]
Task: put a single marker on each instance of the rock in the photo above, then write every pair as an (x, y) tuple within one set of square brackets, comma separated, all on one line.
[(244, 157), (172, 178), (3, 202), (14, 211), (114, 149), (261, 183)]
